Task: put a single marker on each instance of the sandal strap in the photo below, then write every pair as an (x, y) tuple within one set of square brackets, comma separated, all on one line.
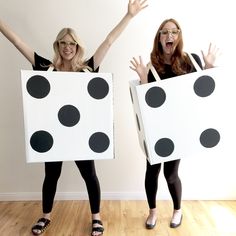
[(44, 220), (97, 222), (41, 225), (98, 229)]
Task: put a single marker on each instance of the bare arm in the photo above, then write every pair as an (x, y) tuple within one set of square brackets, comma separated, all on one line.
[(17, 42), (134, 7)]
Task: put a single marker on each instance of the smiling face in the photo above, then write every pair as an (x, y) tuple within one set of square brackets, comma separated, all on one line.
[(67, 47), (169, 38)]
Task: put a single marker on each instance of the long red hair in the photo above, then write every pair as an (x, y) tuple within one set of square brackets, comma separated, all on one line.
[(180, 62)]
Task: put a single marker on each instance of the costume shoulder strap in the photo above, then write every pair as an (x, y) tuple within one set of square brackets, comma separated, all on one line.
[(50, 68), (153, 70), (197, 67), (86, 70)]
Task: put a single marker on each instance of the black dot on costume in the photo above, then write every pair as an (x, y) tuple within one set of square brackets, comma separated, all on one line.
[(131, 95), (145, 148), (69, 115), (209, 138), (204, 86), (164, 147), (38, 86), (138, 124), (155, 97), (41, 141), (99, 142), (98, 88)]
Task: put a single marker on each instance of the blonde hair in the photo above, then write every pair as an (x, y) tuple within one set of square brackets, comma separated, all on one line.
[(77, 63)]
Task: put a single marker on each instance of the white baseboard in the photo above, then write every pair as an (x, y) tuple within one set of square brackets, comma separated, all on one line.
[(35, 196)]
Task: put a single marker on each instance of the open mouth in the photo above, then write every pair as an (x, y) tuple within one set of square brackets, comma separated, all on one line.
[(169, 44)]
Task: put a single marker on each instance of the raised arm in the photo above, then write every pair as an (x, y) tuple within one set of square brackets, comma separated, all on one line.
[(17, 42), (134, 7)]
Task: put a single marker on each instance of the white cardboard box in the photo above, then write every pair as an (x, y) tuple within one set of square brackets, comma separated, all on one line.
[(185, 115), (67, 115)]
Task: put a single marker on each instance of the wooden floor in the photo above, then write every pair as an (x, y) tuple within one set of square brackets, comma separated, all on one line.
[(121, 218)]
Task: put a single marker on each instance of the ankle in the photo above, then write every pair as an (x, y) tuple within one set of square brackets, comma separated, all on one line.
[(152, 215), (96, 216), (177, 212), (177, 215), (153, 211), (47, 216)]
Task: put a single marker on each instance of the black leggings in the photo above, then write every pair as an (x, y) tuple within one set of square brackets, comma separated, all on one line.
[(88, 172), (172, 178)]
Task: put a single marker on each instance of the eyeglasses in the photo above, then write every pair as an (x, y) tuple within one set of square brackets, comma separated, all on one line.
[(64, 44), (170, 31)]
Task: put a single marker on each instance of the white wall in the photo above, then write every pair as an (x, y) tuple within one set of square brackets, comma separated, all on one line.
[(38, 22)]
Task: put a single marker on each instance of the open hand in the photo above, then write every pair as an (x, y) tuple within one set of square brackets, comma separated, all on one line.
[(211, 56), (140, 68), (135, 6)]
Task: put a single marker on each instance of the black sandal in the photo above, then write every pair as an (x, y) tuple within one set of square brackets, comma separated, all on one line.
[(40, 226), (98, 229)]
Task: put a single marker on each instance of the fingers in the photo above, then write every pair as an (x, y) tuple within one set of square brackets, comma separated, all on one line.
[(209, 48), (135, 63), (143, 4), (140, 60), (202, 53), (132, 68), (213, 49)]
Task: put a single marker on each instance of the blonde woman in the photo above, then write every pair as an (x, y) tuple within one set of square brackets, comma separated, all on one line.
[(69, 57)]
